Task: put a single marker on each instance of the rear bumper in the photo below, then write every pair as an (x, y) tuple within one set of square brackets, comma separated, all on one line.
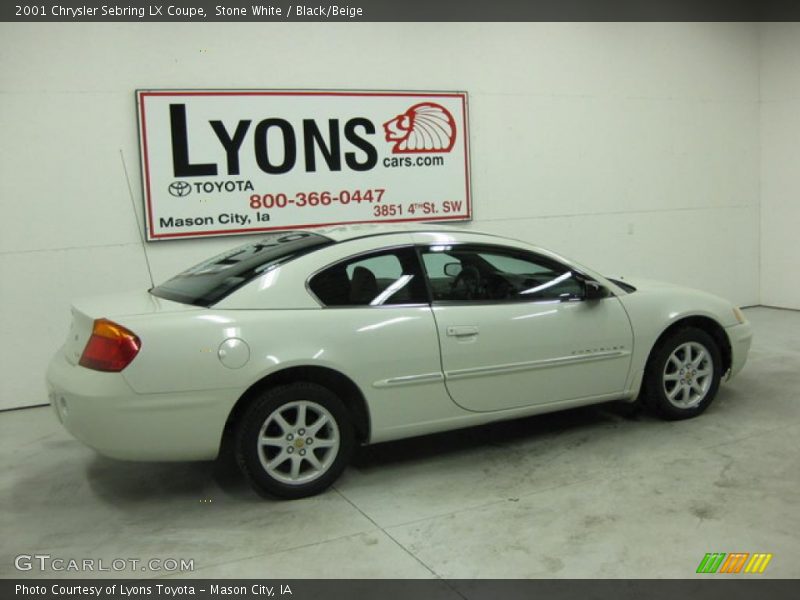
[(103, 412), (740, 336)]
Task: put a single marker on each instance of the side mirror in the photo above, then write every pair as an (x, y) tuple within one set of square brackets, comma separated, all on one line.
[(452, 269), (593, 290)]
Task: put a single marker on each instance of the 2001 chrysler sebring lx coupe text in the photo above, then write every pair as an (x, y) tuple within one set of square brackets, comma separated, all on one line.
[(304, 343)]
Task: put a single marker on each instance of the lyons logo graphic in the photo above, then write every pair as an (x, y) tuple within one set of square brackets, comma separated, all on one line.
[(735, 562), (425, 127)]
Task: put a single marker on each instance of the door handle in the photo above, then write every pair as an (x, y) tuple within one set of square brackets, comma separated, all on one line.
[(462, 330)]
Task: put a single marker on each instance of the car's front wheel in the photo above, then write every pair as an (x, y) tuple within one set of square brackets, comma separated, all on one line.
[(683, 374), (294, 440)]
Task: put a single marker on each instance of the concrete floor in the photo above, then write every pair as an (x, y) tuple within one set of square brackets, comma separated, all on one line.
[(584, 493)]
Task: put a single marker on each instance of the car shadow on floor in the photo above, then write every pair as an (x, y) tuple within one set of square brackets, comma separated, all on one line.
[(132, 483), (501, 433)]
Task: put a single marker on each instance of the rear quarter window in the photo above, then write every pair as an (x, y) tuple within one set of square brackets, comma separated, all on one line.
[(383, 278)]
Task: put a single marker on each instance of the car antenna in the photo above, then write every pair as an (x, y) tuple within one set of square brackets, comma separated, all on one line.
[(139, 225)]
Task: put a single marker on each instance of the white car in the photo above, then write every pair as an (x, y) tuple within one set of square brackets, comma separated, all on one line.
[(305, 343)]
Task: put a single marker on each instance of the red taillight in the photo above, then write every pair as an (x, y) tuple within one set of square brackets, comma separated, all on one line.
[(110, 348)]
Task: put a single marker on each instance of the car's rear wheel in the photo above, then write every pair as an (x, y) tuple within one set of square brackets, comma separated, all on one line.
[(683, 374), (294, 440)]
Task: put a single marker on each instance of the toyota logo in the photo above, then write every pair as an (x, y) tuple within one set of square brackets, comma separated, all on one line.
[(179, 189)]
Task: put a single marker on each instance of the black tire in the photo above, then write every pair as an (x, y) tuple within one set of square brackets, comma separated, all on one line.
[(674, 390), (259, 462)]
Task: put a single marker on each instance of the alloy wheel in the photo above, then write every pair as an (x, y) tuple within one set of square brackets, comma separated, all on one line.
[(688, 375), (298, 442)]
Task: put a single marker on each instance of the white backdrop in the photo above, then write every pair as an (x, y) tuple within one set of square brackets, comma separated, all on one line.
[(780, 165), (631, 147)]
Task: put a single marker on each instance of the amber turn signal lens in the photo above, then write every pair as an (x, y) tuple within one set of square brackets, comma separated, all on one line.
[(111, 347)]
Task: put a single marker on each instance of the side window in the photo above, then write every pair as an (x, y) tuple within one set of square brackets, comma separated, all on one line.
[(379, 279), (481, 273)]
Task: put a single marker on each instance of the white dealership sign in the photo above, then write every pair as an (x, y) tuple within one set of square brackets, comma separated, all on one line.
[(231, 162)]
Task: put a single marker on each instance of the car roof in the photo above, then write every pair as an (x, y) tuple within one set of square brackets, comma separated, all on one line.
[(343, 233)]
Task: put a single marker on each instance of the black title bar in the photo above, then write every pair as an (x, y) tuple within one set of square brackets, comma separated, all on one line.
[(32, 11), (746, 587)]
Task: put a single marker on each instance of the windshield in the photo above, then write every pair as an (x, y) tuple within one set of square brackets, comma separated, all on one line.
[(212, 280)]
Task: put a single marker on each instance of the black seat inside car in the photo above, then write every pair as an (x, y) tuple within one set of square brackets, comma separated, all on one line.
[(364, 287)]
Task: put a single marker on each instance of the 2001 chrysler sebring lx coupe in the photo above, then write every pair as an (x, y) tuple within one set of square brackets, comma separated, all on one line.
[(305, 343)]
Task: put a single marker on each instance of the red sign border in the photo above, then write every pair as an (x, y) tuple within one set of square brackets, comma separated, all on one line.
[(152, 236)]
